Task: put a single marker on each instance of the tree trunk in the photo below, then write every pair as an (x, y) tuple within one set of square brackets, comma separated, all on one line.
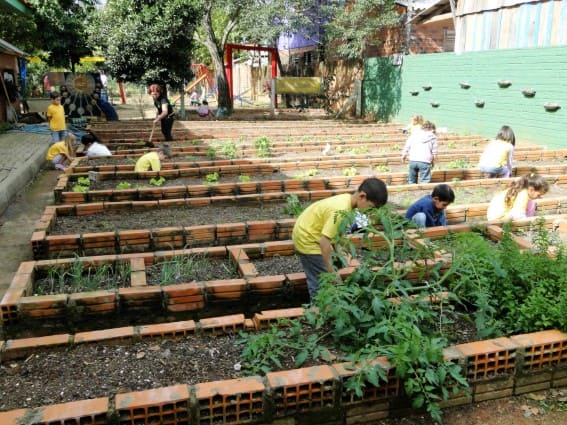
[(223, 95)]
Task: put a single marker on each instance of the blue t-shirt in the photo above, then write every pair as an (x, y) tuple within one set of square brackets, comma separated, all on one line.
[(433, 217)]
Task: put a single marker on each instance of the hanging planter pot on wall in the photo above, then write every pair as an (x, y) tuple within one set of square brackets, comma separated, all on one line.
[(529, 92), (427, 87), (504, 84), (465, 85), (414, 92), (479, 103), (552, 106), (435, 104)]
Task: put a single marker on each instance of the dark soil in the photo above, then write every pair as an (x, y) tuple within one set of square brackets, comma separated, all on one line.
[(190, 268), (117, 220), (277, 264)]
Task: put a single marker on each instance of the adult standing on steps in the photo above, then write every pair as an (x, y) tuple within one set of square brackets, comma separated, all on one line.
[(164, 111)]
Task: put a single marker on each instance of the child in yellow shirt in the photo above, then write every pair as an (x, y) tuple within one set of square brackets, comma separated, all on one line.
[(518, 201), (319, 223), (56, 116), (61, 153)]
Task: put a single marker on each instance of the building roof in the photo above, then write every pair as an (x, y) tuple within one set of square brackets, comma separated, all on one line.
[(6, 47), (439, 8)]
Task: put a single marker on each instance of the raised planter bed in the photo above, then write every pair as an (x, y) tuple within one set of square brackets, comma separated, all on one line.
[(493, 368)]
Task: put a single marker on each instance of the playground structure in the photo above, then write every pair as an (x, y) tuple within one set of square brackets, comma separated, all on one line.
[(204, 77)]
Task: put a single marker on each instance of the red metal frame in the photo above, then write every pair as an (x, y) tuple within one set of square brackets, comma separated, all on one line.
[(228, 64)]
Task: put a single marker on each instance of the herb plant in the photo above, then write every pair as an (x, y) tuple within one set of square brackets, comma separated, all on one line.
[(263, 147), (157, 182)]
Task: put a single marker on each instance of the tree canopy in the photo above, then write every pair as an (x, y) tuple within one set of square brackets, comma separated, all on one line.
[(147, 41)]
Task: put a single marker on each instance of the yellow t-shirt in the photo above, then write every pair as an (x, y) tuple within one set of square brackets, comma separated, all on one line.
[(497, 209), (495, 154), (56, 116), (148, 161), (320, 218), (55, 149)]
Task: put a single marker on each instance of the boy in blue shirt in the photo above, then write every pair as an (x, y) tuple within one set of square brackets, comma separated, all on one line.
[(429, 211)]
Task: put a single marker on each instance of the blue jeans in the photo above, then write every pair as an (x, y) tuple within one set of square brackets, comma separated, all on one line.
[(57, 136), (496, 171), (313, 266), (424, 170), (419, 219)]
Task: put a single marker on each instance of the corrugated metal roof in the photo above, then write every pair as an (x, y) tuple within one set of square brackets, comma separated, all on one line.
[(6, 47)]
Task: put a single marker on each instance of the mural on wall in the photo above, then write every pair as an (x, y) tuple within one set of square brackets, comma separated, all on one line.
[(79, 92)]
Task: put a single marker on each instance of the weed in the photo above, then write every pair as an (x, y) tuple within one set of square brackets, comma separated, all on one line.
[(157, 182), (123, 185), (211, 152), (243, 178), (263, 146), (229, 150), (212, 178), (293, 207), (458, 163), (130, 160), (350, 172)]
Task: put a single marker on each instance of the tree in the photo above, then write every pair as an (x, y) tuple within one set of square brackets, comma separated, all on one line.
[(62, 31), (355, 26), (147, 40)]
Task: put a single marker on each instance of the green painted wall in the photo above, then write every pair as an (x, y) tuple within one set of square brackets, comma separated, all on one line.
[(386, 92)]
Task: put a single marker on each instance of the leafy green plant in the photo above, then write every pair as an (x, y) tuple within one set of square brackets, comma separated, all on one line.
[(157, 182), (211, 152), (378, 311), (243, 178), (458, 163), (123, 185), (395, 147), (350, 172), (293, 207), (263, 146), (229, 150), (452, 144), (212, 178), (382, 168), (83, 185)]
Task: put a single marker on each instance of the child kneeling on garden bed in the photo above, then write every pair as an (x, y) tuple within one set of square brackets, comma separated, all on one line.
[(518, 201), (319, 223), (151, 161), (61, 153), (429, 211)]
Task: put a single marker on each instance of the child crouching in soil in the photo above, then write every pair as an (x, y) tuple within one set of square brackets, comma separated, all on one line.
[(60, 154)]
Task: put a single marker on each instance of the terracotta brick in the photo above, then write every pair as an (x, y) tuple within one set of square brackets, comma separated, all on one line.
[(268, 317), (123, 333), (184, 290), (43, 302), (489, 358), (160, 405), (94, 297), (218, 287), (302, 389), (266, 283), (148, 295), (171, 329), (138, 279), (18, 348), (93, 411), (247, 270), (182, 307), (230, 401), (542, 350), (221, 324)]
